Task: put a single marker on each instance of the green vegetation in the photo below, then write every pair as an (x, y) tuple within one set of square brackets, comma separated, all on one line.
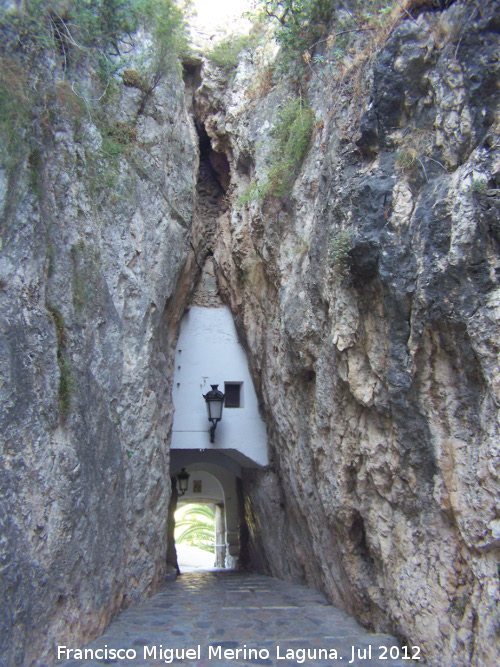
[(66, 385), (106, 27), (299, 24), (226, 53), (88, 37), (165, 21), (14, 109), (66, 379), (35, 171), (59, 325), (340, 245), (117, 138), (85, 280), (195, 526), (459, 604), (301, 247), (252, 193), (406, 158), (302, 25), (82, 289), (292, 134), (479, 186)]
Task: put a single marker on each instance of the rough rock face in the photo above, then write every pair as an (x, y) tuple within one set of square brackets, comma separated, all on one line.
[(368, 302), (378, 368), (88, 261)]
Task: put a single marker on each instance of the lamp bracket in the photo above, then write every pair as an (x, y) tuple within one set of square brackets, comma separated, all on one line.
[(212, 430)]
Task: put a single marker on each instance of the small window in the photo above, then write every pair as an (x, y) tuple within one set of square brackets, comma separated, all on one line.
[(232, 390)]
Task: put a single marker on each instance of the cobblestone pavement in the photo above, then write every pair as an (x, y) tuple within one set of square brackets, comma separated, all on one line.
[(223, 619)]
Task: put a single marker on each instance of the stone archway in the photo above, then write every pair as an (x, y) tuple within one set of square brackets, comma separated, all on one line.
[(212, 484)]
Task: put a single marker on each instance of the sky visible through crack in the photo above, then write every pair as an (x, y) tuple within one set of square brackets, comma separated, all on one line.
[(216, 14)]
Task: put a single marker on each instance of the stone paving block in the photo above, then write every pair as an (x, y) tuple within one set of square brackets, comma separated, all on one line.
[(237, 611)]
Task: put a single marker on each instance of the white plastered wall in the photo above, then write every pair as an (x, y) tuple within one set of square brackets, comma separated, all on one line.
[(208, 352)]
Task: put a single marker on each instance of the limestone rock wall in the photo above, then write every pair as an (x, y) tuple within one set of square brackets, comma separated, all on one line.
[(89, 260), (378, 369)]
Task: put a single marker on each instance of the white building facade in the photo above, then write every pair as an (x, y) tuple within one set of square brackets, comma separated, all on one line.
[(208, 352)]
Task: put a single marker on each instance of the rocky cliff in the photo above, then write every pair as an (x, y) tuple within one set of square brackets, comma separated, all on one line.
[(94, 233), (366, 295), (368, 300)]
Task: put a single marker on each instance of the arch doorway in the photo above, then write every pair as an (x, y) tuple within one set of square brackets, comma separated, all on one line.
[(199, 536), (213, 489)]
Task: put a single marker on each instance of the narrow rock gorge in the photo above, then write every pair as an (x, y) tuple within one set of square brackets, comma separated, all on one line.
[(366, 296)]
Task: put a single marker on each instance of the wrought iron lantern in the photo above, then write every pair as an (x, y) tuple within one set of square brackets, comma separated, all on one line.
[(215, 400), (182, 481)]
